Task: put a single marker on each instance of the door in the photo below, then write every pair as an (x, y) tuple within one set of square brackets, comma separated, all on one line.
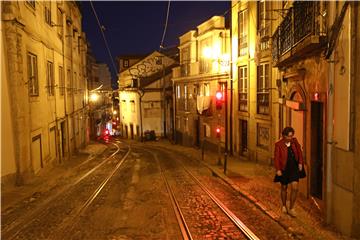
[(317, 150), (52, 144), (63, 139), (132, 131), (243, 148), (36, 156)]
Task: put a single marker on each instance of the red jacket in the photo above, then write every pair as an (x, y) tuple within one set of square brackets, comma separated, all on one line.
[(281, 153)]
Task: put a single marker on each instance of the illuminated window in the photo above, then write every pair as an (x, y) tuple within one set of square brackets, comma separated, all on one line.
[(243, 29), (50, 78), (33, 75), (126, 63), (178, 92), (185, 97), (243, 89), (206, 58), (263, 81)]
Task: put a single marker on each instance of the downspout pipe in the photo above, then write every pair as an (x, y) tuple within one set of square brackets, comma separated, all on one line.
[(329, 129), (231, 87)]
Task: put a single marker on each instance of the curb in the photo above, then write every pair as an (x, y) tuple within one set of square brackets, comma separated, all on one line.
[(243, 193)]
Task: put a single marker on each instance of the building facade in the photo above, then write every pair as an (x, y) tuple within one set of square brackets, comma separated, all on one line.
[(145, 96), (296, 64), (204, 70), (44, 88)]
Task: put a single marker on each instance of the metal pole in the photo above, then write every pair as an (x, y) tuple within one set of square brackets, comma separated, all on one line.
[(226, 128)]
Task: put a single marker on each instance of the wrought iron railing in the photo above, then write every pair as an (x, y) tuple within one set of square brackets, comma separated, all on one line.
[(299, 23), (185, 69)]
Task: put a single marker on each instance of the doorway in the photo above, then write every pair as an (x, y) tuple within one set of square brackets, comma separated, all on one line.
[(36, 153), (132, 131), (63, 139), (317, 149), (243, 148)]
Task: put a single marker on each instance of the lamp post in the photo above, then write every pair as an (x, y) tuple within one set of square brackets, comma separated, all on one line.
[(141, 94)]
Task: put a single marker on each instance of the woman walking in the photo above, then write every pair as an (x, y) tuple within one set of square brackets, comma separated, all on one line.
[(288, 163)]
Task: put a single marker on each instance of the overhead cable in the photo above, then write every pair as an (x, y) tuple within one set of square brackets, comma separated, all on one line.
[(166, 22), (101, 27)]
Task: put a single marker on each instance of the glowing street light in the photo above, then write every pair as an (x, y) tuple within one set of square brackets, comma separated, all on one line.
[(94, 97)]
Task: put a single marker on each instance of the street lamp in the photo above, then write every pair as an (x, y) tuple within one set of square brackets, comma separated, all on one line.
[(94, 97), (222, 64)]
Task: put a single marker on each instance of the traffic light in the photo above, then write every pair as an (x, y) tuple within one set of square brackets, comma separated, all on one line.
[(218, 132), (219, 100)]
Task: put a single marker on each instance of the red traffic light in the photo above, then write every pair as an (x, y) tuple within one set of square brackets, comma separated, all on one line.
[(218, 132), (219, 95)]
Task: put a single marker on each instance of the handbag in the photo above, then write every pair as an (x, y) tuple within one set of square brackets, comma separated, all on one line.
[(302, 173)]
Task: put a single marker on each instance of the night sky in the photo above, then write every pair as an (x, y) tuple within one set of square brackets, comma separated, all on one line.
[(136, 27)]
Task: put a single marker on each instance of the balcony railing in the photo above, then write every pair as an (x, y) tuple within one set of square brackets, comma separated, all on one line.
[(301, 23)]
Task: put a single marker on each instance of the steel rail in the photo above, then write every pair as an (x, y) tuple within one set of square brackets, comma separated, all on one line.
[(70, 223), (29, 218), (185, 232), (241, 226)]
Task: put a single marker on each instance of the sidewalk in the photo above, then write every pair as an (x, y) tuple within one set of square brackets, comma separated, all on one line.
[(46, 178), (255, 182)]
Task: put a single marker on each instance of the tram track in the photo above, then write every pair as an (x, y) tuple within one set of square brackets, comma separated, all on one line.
[(181, 217), (234, 197), (63, 203)]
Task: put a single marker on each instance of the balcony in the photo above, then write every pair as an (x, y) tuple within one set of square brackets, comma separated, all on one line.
[(186, 69), (299, 35)]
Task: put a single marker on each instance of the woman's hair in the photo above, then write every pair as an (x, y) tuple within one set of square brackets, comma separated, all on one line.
[(287, 130)]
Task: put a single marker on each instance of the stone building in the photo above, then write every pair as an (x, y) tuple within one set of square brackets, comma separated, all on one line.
[(44, 89), (145, 95), (204, 70), (300, 60)]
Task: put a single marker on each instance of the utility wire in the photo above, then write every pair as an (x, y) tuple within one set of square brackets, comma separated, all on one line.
[(166, 22), (101, 27)]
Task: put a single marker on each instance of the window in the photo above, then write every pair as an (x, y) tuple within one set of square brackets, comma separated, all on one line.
[(205, 60), (263, 89), (61, 81), (264, 24), (132, 105), (178, 92), (243, 29), (50, 78), (31, 3), (185, 97), (205, 90), (185, 61), (47, 8), (123, 106), (59, 22), (243, 89), (263, 136), (126, 63), (33, 75), (69, 81)]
